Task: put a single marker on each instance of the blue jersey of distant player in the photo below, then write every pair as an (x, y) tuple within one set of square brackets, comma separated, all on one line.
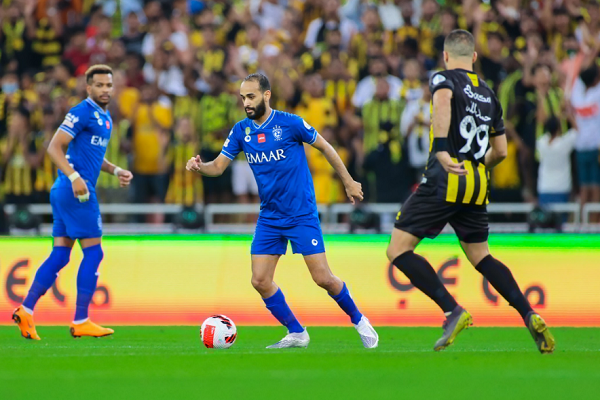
[(288, 208), (90, 126)]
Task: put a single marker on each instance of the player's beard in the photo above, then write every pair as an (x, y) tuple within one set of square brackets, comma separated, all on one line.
[(258, 111), (103, 102)]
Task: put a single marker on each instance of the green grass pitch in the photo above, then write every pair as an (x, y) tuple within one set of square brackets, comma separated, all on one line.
[(171, 363)]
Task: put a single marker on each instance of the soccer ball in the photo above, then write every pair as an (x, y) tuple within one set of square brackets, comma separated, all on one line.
[(218, 332)]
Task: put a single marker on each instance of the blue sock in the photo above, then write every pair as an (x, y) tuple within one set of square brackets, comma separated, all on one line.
[(46, 275), (346, 303), (87, 279), (280, 310)]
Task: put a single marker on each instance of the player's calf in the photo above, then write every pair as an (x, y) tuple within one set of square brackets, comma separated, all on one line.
[(46, 275), (503, 281), (282, 312), (87, 280)]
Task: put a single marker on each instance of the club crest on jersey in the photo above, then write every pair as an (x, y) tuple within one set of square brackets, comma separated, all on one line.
[(277, 132), (70, 120)]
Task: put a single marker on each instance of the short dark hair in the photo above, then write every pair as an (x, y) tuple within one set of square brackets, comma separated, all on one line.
[(460, 43), (98, 69), (552, 125), (263, 81)]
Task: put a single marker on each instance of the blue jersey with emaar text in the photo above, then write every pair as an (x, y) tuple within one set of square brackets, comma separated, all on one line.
[(90, 127), (275, 152)]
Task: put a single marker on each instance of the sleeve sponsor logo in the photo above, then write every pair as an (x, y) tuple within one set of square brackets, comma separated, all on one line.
[(307, 126), (439, 78), (70, 120)]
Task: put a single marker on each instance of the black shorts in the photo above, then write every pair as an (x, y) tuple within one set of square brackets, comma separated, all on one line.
[(425, 217)]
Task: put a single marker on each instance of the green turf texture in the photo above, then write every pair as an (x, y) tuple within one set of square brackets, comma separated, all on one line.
[(171, 363)]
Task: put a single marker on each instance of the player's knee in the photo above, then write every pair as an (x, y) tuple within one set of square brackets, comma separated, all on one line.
[(261, 284), (394, 252), (94, 253), (326, 281), (61, 256)]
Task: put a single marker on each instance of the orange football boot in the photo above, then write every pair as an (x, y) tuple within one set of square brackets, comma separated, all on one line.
[(25, 322), (88, 328)]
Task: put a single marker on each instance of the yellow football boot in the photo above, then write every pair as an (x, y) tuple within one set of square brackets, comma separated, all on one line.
[(539, 331), (88, 328), (458, 320), (25, 322)]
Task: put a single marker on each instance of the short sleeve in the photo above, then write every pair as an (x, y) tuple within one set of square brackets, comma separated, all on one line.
[(233, 146), (304, 132), (75, 121), (440, 81), (498, 128)]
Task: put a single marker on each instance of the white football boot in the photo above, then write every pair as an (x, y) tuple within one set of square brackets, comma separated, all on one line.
[(369, 337), (300, 339)]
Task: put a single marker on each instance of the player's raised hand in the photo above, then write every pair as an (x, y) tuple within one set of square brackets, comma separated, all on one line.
[(194, 164), (450, 166), (125, 177), (80, 190), (354, 191)]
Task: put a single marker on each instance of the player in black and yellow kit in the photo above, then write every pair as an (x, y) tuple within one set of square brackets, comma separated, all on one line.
[(468, 140)]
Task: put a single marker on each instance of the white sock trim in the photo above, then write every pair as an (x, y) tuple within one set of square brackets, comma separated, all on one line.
[(28, 310), (80, 321)]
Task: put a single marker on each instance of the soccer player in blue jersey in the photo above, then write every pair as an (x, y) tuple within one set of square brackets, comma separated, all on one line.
[(273, 142), (85, 133)]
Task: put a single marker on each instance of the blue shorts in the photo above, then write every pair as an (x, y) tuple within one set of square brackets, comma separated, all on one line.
[(306, 238), (588, 168), (73, 219)]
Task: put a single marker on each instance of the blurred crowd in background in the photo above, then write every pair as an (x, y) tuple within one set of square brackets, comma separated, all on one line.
[(356, 70)]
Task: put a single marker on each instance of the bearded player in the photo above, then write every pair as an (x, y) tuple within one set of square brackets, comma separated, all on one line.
[(273, 142), (468, 139), (77, 149)]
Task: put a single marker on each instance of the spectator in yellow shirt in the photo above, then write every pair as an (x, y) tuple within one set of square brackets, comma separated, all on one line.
[(149, 138), (327, 187), (317, 110)]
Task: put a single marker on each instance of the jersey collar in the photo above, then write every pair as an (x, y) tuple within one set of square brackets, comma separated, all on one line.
[(267, 121), (95, 105)]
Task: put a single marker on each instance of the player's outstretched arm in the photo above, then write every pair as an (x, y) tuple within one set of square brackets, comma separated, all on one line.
[(57, 152), (124, 175), (441, 117), (498, 152), (353, 188), (212, 168)]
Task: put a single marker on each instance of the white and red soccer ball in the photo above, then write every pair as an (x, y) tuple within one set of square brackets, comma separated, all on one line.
[(218, 332)]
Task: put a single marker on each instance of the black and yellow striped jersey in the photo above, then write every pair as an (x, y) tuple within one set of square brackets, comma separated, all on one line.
[(476, 115)]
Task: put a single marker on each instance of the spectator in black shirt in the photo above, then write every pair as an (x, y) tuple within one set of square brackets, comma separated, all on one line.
[(134, 36)]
